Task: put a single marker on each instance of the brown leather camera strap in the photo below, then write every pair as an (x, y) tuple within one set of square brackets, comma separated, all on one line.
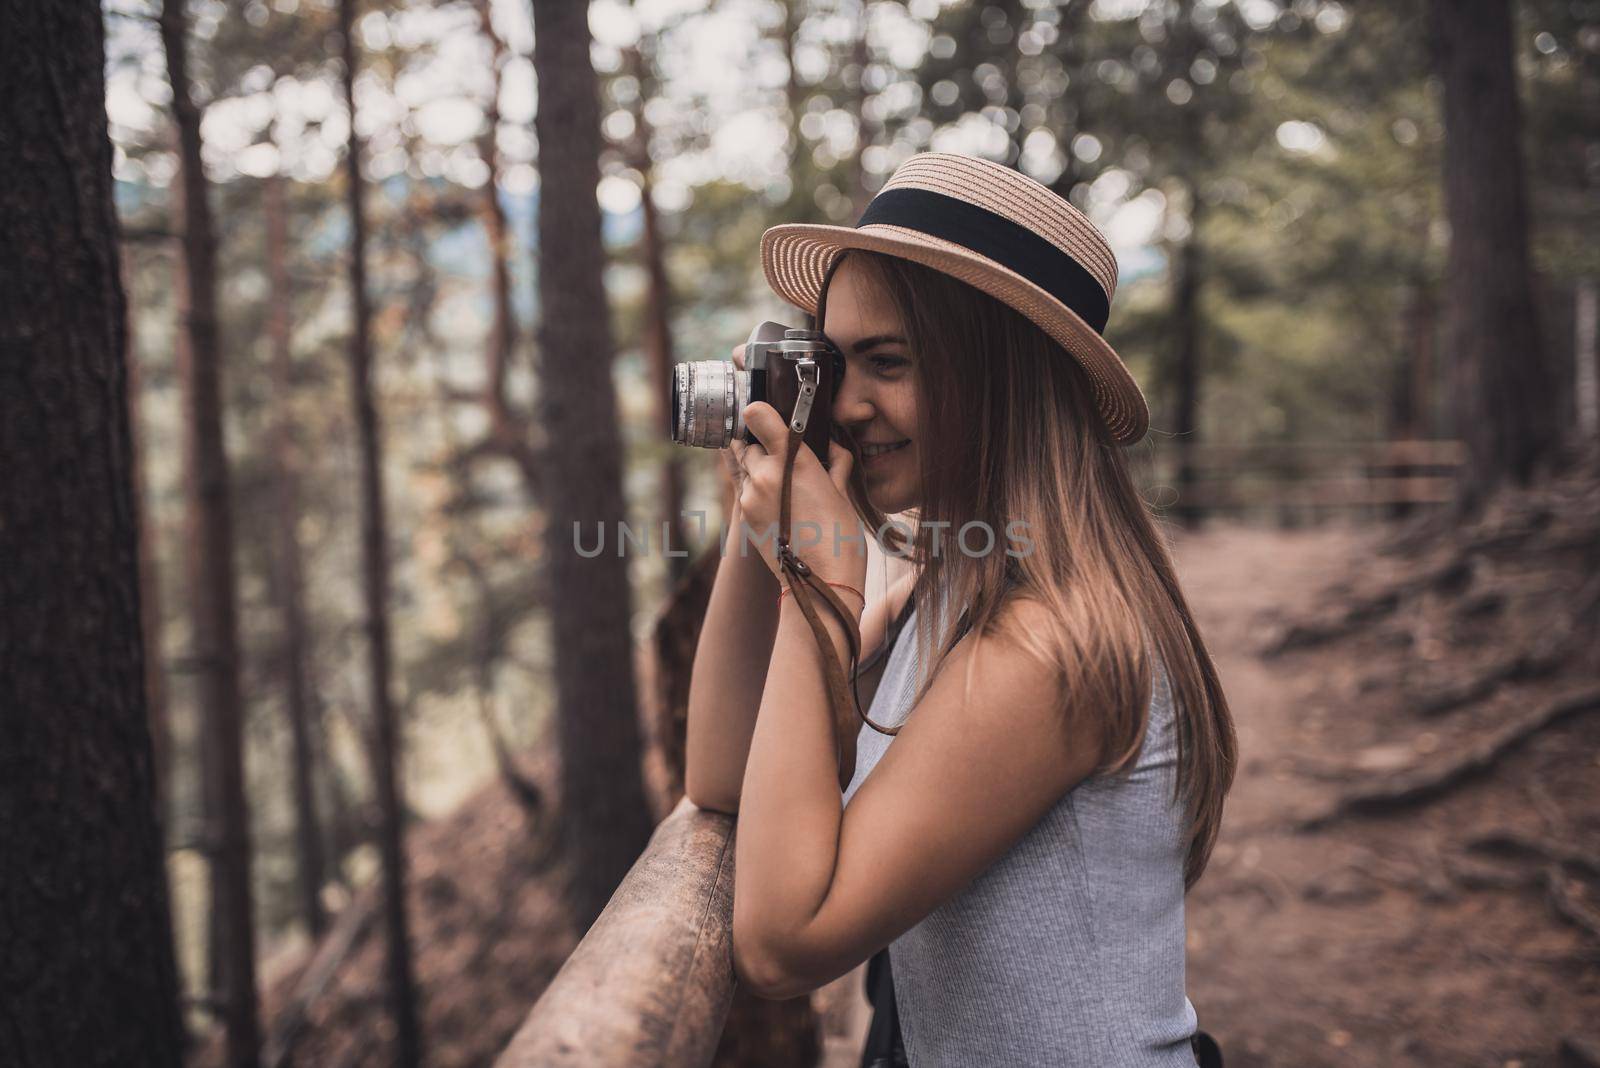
[(803, 582)]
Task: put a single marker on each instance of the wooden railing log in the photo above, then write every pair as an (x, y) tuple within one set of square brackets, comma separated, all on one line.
[(651, 981)]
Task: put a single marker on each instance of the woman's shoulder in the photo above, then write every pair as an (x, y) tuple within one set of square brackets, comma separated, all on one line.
[(1097, 665), (1118, 639), (1025, 617)]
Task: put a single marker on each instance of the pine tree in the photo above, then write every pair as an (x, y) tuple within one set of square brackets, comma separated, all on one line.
[(603, 807), (87, 976)]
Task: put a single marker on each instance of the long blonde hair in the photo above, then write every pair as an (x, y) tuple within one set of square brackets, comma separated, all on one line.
[(1008, 431)]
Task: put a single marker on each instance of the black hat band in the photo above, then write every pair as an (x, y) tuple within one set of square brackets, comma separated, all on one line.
[(998, 238)]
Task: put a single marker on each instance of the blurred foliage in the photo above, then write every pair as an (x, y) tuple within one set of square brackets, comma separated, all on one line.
[(1310, 130)]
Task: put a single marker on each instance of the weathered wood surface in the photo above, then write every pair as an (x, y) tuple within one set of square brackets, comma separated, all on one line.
[(651, 982)]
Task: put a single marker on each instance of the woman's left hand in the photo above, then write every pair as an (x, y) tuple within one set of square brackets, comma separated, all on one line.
[(823, 526)]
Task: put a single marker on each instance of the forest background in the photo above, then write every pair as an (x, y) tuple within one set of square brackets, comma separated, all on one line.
[(1268, 173)]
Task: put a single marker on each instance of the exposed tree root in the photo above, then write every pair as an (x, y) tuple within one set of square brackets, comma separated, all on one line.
[(1580, 1052), (1418, 534), (1554, 861), (1568, 901), (1511, 536), (1519, 667), (1357, 879), (1513, 843), (1471, 874), (1453, 576), (1551, 526), (1308, 634), (1478, 605), (1586, 620), (1428, 781)]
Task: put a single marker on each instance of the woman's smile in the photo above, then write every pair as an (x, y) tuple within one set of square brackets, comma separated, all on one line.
[(873, 452)]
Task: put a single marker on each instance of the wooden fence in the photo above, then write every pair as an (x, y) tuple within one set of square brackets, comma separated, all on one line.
[(651, 982), (1303, 481)]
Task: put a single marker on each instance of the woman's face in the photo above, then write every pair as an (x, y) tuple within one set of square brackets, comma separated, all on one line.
[(877, 401)]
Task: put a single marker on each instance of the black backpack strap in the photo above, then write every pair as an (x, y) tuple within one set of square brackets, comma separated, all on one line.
[(885, 1046), (1206, 1051)]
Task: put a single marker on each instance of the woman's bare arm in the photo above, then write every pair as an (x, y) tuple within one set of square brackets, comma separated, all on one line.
[(729, 673), (820, 886)]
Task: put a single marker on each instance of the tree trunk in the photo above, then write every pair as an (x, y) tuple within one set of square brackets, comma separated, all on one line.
[(508, 427), (1423, 344), (1411, 391), (87, 976), (1186, 316), (210, 816), (503, 328), (860, 59), (1586, 356), (1018, 15), (1186, 341), (603, 812), (309, 866), (150, 617), (375, 587), (658, 348), (658, 326), (1502, 390), (796, 206), (213, 596), (1073, 53)]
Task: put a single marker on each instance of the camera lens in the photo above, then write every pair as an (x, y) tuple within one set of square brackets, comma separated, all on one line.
[(707, 399)]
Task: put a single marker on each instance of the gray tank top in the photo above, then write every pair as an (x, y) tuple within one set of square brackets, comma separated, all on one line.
[(1068, 950)]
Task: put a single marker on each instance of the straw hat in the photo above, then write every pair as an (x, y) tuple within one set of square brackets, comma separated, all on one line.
[(997, 230)]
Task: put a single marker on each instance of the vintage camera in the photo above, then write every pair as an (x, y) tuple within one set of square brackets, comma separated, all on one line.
[(795, 371)]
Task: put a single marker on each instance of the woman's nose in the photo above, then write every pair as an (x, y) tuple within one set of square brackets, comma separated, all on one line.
[(852, 402)]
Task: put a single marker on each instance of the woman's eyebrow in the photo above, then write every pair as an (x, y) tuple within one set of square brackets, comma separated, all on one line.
[(876, 339)]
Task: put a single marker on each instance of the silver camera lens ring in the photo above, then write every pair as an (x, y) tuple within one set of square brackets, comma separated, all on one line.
[(710, 397), (683, 398)]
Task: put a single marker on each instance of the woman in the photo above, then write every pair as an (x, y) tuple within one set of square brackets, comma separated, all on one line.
[(1023, 843)]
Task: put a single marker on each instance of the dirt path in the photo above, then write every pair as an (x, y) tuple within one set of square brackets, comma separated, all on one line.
[(1357, 945)]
